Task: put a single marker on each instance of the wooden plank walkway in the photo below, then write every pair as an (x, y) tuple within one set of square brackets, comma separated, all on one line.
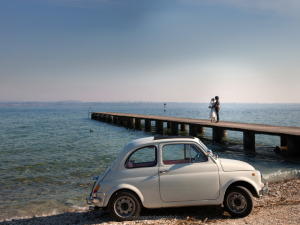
[(290, 136)]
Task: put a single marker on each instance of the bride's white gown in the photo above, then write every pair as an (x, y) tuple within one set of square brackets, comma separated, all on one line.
[(212, 113)]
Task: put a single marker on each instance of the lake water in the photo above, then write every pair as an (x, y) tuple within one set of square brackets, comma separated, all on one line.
[(48, 155)]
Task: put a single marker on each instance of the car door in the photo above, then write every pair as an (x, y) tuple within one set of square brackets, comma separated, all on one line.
[(141, 171), (186, 174)]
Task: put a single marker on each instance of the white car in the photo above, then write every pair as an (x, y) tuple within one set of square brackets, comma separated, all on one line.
[(159, 172)]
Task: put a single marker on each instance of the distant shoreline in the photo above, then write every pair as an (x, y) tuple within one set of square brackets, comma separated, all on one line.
[(89, 104)]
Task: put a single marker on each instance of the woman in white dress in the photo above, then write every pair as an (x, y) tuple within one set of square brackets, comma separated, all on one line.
[(212, 114)]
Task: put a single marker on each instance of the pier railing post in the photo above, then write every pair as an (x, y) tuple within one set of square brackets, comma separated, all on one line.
[(193, 130), (174, 128), (159, 125), (293, 145), (147, 124), (249, 140)]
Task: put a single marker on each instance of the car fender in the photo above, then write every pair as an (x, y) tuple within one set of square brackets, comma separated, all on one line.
[(122, 187), (225, 184)]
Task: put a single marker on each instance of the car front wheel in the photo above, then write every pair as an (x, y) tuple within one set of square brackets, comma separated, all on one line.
[(238, 201), (124, 205)]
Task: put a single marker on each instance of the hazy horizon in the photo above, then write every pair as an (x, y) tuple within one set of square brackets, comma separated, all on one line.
[(150, 102), (161, 50)]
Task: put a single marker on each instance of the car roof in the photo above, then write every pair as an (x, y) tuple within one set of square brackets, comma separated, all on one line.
[(158, 139), (150, 141)]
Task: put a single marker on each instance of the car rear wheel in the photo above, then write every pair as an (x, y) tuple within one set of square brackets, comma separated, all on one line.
[(238, 201), (124, 205)]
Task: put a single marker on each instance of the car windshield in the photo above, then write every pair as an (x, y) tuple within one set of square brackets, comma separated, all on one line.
[(202, 145)]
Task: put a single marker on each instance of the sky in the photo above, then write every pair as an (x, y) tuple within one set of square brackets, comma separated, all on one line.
[(244, 51)]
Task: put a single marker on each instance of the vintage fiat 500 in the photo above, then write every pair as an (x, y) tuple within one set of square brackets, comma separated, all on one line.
[(157, 172)]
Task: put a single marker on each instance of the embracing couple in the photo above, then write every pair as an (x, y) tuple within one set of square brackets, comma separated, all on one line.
[(215, 108)]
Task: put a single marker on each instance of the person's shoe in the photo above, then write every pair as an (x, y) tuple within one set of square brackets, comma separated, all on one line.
[(217, 121)]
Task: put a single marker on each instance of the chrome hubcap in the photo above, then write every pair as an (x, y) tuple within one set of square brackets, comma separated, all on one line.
[(237, 202), (124, 206)]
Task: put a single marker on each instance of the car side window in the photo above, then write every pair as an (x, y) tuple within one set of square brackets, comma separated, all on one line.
[(197, 155), (182, 153), (143, 157), (176, 154)]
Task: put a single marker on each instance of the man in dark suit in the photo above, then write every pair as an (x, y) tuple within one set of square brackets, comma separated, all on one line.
[(217, 108)]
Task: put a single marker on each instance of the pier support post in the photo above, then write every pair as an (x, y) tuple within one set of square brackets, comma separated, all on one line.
[(138, 123), (100, 117), (293, 145), (159, 125), (168, 125), (130, 121), (201, 129), (147, 124), (115, 120), (283, 140), (183, 127), (110, 118), (104, 118), (93, 116), (193, 131), (249, 140), (174, 128), (121, 120), (218, 134)]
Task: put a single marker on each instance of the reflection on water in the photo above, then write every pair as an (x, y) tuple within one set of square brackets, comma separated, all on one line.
[(48, 155)]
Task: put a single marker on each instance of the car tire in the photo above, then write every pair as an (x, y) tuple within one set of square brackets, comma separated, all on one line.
[(124, 205), (238, 201)]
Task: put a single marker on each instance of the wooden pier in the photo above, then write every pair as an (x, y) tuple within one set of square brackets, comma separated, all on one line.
[(289, 136)]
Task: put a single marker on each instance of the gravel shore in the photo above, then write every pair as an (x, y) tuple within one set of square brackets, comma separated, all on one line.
[(281, 206)]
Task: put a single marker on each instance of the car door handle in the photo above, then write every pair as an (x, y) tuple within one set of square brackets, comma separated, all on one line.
[(164, 171)]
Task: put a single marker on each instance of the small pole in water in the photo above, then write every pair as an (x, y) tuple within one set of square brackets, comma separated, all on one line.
[(165, 107), (90, 112)]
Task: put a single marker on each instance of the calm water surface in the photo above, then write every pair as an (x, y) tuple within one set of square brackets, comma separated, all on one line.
[(48, 155)]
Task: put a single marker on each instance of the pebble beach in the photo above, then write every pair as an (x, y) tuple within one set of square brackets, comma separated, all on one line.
[(280, 206)]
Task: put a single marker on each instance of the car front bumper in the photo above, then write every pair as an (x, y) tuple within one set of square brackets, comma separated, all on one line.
[(96, 199), (265, 187)]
